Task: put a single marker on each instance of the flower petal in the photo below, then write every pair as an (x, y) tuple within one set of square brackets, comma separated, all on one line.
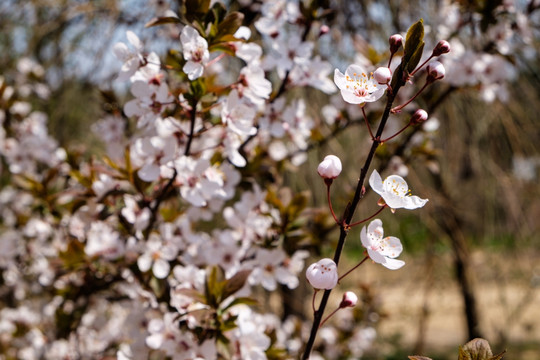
[(340, 79), (376, 183), (414, 202), (393, 264), (391, 247)]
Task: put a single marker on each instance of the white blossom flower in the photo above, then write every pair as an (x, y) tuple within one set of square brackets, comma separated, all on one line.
[(395, 192), (132, 59), (330, 167), (238, 116), (322, 274), (195, 49), (356, 86), (381, 250), (157, 256)]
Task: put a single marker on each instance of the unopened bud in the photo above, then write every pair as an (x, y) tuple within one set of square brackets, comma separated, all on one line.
[(442, 47), (435, 71), (324, 29), (395, 42), (382, 75), (322, 274), (349, 300), (330, 167), (419, 117)]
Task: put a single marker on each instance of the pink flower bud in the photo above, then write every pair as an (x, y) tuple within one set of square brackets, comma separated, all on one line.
[(324, 29), (435, 71), (330, 167), (419, 117), (442, 47), (322, 274), (382, 75), (395, 42), (349, 300)]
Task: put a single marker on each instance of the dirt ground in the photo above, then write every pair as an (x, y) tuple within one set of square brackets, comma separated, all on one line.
[(508, 295)]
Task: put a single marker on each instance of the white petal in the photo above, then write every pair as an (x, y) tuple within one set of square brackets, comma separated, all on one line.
[(144, 262), (375, 182), (154, 341), (134, 40), (149, 172), (375, 256), (364, 238), (351, 98), (376, 227), (161, 268), (121, 51), (193, 70), (354, 71), (414, 202), (339, 79), (391, 247), (393, 264)]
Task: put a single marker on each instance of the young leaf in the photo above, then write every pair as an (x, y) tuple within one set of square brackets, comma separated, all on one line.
[(416, 357), (414, 40), (235, 283), (163, 21), (230, 24)]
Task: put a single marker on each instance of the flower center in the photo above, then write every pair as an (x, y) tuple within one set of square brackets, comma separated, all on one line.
[(359, 84)]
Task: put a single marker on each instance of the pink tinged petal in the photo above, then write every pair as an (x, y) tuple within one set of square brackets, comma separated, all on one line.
[(144, 262), (193, 70), (375, 227), (391, 247), (141, 89), (161, 268), (376, 183), (131, 108)]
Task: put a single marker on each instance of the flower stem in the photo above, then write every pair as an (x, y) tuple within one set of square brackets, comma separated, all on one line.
[(396, 134), (399, 107), (329, 316), (369, 218), (367, 123), (354, 268), (421, 66), (330, 202)]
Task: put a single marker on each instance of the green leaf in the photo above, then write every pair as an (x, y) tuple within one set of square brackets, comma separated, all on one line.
[(198, 88), (162, 21), (230, 24), (196, 9), (235, 283), (414, 41), (415, 58)]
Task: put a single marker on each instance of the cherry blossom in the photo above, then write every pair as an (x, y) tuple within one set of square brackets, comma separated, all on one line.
[(322, 274), (330, 167), (395, 192), (195, 49), (349, 300), (356, 86), (381, 250), (131, 59), (157, 255)]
